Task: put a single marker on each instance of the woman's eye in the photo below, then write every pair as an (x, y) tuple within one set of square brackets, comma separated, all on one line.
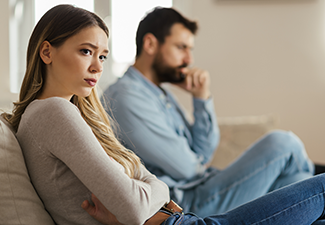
[(102, 58), (85, 51)]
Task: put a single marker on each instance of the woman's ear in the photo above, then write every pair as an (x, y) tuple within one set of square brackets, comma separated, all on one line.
[(150, 44), (46, 52)]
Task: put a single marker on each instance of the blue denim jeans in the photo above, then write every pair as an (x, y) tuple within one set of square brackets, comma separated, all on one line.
[(301, 203), (276, 160)]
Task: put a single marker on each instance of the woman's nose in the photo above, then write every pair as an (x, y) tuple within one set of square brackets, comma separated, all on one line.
[(96, 66)]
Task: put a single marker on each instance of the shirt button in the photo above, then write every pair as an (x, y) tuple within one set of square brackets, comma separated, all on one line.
[(162, 97), (168, 105), (181, 127)]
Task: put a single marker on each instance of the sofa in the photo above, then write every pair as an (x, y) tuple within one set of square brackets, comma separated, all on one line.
[(20, 204), (237, 134)]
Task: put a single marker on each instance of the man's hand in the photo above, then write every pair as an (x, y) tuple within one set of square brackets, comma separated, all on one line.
[(197, 82), (99, 212)]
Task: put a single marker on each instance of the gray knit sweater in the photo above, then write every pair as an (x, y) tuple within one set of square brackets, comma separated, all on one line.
[(66, 164)]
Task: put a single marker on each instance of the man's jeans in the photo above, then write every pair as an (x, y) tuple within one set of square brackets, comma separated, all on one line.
[(276, 160), (301, 203)]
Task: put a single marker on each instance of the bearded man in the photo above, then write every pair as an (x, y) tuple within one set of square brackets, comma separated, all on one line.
[(152, 124)]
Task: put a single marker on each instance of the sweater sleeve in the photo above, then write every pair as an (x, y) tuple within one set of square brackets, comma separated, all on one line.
[(72, 141)]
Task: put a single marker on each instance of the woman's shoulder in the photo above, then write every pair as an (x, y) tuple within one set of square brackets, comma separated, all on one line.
[(50, 105), (50, 108)]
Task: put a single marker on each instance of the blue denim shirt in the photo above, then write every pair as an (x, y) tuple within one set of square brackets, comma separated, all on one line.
[(151, 123)]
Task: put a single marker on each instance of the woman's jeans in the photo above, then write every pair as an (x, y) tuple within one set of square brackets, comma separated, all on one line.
[(301, 203), (276, 160)]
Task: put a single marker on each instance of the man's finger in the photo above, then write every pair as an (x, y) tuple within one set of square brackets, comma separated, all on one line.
[(196, 76), (189, 80), (202, 79)]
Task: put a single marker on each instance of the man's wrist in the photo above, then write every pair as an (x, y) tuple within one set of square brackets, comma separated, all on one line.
[(203, 95)]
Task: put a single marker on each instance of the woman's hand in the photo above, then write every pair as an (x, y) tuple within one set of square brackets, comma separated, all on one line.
[(99, 212)]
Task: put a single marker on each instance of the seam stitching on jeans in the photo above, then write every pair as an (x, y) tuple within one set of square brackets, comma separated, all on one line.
[(314, 196)]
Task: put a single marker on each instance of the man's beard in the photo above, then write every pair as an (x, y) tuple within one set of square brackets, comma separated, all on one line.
[(167, 73)]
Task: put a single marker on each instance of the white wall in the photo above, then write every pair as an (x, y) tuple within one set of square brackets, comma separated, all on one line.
[(265, 56), (6, 98)]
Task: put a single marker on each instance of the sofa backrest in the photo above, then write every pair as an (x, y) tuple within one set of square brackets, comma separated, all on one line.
[(19, 202)]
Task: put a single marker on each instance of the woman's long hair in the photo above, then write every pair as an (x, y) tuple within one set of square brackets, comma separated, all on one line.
[(56, 26)]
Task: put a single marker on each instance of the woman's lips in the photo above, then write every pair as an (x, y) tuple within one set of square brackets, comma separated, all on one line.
[(91, 81)]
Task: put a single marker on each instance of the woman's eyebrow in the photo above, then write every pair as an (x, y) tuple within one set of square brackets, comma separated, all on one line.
[(94, 46)]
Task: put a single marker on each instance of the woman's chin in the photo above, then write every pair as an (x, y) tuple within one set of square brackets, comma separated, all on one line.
[(85, 93)]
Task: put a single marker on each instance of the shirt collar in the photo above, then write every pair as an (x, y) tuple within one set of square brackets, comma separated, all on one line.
[(133, 72)]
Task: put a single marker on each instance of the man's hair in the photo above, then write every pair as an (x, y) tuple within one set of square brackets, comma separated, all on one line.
[(159, 22)]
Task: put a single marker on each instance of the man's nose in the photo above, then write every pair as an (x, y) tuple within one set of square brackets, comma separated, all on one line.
[(188, 59)]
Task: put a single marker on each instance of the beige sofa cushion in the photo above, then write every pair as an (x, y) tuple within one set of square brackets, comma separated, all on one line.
[(19, 202), (237, 134)]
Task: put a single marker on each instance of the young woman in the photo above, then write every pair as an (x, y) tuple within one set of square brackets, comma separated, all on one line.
[(71, 151)]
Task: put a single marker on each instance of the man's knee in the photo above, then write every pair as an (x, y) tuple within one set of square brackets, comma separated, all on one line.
[(285, 140)]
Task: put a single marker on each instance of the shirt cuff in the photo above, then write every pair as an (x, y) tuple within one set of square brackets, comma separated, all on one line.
[(200, 104)]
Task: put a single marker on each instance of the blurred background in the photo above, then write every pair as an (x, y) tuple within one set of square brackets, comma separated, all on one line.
[(264, 56)]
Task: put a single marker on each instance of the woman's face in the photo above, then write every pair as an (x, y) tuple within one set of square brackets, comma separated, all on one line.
[(75, 67)]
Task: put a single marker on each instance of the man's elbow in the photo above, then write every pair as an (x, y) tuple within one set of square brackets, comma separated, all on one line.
[(185, 173)]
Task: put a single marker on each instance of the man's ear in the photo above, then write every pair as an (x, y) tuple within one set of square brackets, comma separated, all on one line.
[(46, 52), (150, 44)]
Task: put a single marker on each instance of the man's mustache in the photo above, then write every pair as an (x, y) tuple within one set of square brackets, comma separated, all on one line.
[(182, 76), (183, 66)]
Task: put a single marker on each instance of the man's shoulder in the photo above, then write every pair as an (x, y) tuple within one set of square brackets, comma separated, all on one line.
[(127, 87), (126, 82), (123, 84)]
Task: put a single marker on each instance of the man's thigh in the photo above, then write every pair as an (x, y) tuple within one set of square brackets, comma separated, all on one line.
[(249, 177)]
